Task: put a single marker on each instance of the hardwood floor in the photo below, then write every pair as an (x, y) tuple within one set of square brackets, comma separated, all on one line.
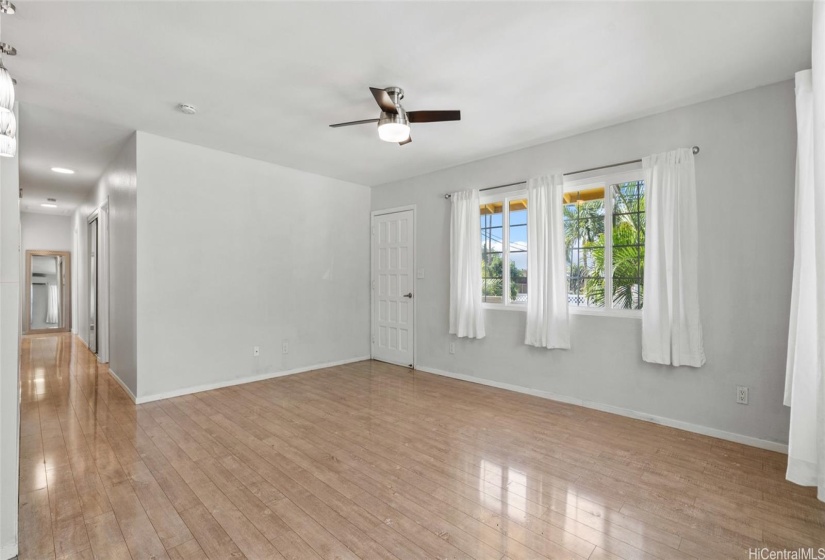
[(375, 461)]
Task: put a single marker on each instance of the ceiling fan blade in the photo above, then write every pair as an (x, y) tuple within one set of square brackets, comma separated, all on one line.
[(433, 116), (384, 100), (351, 123), (407, 141)]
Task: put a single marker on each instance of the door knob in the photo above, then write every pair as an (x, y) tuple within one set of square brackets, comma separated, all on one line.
[(409, 295)]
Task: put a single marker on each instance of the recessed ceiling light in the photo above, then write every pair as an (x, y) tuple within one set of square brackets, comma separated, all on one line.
[(48, 205), (63, 170)]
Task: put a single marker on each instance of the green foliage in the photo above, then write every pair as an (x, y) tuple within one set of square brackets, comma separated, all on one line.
[(492, 269), (587, 277)]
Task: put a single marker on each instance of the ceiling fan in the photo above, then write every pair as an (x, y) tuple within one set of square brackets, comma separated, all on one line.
[(394, 122)]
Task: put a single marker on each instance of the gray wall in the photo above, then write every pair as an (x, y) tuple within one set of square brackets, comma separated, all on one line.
[(745, 180), (235, 253), (118, 184), (45, 232), (10, 318), (48, 232)]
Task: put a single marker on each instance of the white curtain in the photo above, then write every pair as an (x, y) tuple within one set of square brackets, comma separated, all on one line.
[(804, 379), (671, 329), (466, 314), (547, 318), (52, 304)]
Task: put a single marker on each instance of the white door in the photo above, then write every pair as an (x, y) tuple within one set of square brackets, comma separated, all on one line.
[(393, 247)]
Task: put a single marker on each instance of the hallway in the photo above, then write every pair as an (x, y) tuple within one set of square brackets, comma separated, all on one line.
[(68, 427)]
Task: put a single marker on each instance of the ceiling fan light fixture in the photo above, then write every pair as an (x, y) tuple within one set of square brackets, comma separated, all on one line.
[(6, 89), (8, 146), (393, 128), (8, 124)]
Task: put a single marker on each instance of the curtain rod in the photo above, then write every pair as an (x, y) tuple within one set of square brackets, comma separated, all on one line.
[(695, 150)]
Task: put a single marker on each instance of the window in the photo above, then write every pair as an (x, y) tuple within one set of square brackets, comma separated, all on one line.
[(504, 250), (604, 230)]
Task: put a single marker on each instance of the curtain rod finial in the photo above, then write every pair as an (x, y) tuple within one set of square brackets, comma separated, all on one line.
[(695, 150)]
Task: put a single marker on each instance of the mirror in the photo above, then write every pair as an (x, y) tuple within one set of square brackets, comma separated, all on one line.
[(48, 294)]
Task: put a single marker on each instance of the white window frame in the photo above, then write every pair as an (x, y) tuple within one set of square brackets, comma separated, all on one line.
[(605, 181), (505, 198)]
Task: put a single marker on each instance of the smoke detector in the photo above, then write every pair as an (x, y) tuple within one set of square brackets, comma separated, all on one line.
[(187, 109)]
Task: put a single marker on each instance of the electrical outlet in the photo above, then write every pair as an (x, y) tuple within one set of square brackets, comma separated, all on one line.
[(452, 348), (742, 395), (256, 351), (285, 347)]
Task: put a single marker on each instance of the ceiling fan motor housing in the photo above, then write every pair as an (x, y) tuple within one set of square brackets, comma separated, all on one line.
[(397, 118), (395, 93)]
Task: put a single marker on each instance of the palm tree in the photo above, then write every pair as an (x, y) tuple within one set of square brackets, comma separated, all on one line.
[(584, 228), (628, 235)]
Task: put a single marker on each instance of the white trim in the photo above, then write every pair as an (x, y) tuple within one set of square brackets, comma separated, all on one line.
[(661, 420), (374, 214), (220, 384), (103, 297), (598, 178), (501, 195), (9, 551), (393, 210), (573, 310), (122, 384), (502, 307), (602, 312)]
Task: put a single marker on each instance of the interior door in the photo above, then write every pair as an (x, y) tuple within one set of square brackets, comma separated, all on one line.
[(393, 249), (93, 285)]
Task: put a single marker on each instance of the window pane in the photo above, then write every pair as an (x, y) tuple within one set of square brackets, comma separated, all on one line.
[(518, 251), (492, 280), (628, 244), (584, 239)]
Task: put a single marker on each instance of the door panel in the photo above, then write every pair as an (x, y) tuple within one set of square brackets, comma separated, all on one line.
[(393, 247)]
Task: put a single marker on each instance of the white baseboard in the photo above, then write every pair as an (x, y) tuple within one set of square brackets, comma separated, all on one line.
[(678, 424), (8, 551), (244, 380), (122, 384)]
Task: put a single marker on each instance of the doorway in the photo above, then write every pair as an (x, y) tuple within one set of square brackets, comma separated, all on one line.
[(393, 286), (48, 295), (93, 282)]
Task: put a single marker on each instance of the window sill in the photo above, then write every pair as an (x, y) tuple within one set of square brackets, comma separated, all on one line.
[(573, 310), (616, 313), (502, 307)]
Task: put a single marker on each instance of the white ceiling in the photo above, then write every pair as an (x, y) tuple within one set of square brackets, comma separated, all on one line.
[(52, 138), (268, 78)]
